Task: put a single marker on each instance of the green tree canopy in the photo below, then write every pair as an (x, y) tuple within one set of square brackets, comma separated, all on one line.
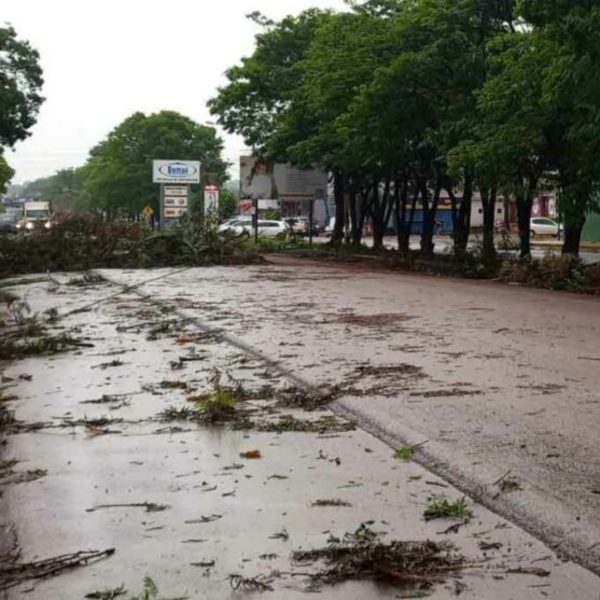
[(64, 190), (6, 172), (118, 174), (20, 84)]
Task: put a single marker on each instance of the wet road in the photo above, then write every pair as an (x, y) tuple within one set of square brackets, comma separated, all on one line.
[(493, 378), (443, 245), (509, 377)]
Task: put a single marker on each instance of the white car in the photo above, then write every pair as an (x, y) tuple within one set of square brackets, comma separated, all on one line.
[(265, 228), (544, 226), (235, 225), (330, 227)]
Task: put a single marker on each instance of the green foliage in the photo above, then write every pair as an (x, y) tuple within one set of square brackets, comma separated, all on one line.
[(216, 406), (118, 174), (406, 452), (20, 84), (6, 174), (150, 592), (439, 507), (228, 204), (259, 89), (107, 594), (83, 241), (551, 272), (64, 190)]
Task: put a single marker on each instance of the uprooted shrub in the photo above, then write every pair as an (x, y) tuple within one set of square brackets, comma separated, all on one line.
[(551, 272), (85, 241), (189, 244), (24, 335)]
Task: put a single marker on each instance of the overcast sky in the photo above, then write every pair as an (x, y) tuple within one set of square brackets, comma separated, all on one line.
[(104, 59)]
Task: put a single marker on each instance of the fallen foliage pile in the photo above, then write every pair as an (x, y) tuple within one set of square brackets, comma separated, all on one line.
[(551, 272), (83, 241), (363, 556)]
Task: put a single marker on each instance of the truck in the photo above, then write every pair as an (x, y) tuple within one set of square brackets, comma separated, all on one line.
[(36, 215)]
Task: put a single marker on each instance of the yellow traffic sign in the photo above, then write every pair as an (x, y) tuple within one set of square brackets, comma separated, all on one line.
[(148, 211)]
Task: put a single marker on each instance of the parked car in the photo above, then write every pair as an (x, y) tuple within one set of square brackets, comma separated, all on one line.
[(298, 224), (272, 228), (235, 225), (265, 228), (544, 226), (330, 227), (301, 226)]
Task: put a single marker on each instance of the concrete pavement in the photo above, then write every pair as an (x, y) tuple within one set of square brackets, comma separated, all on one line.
[(498, 383)]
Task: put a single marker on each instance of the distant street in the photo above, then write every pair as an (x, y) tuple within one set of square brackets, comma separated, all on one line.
[(443, 245)]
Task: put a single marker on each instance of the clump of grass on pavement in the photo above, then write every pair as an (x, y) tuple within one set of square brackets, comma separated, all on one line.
[(439, 507), (216, 406)]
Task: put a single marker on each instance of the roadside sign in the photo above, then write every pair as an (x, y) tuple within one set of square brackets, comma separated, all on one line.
[(176, 171), (211, 198), (172, 212), (148, 211), (176, 201), (176, 190)]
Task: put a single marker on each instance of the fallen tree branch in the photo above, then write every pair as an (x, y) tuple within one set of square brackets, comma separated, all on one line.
[(13, 573)]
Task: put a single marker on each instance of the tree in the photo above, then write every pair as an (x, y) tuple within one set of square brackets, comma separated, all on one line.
[(508, 145), (64, 190), (259, 89), (228, 204), (118, 174), (20, 84), (6, 172), (546, 90)]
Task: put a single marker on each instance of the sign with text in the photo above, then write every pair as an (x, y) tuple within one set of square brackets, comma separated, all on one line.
[(176, 171), (176, 201), (172, 212), (211, 198), (176, 190)]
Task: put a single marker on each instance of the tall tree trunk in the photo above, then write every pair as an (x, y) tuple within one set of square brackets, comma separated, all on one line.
[(463, 218), (354, 216), (406, 224), (488, 201), (377, 235), (377, 213), (429, 213), (524, 205), (575, 200), (572, 239), (339, 194)]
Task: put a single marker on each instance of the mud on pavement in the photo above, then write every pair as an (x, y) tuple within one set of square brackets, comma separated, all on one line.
[(179, 445)]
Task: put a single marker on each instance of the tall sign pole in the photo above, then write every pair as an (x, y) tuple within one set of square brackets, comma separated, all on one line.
[(255, 220), (175, 178)]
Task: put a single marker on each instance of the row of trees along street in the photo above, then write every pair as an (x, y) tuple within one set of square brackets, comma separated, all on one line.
[(402, 100)]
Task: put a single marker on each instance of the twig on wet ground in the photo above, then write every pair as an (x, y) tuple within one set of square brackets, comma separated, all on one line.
[(149, 506), (260, 583), (13, 573)]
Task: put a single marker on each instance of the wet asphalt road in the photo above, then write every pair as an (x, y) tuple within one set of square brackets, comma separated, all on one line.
[(509, 376), (498, 381)]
